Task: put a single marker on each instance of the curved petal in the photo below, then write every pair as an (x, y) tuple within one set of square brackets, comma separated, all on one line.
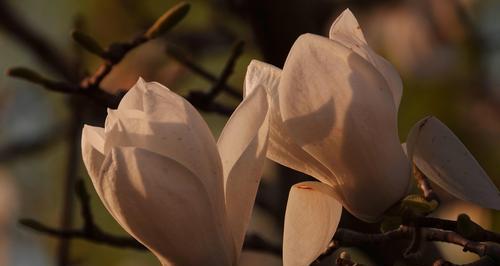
[(133, 98), (181, 135), (164, 206), (282, 148), (260, 74), (252, 258), (346, 30), (242, 146), (338, 108), (443, 158), (93, 150), (311, 218)]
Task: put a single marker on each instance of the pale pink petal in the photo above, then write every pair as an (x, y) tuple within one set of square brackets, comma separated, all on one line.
[(282, 148), (242, 146), (346, 30), (181, 135), (339, 109), (133, 98), (164, 206), (443, 158), (93, 150), (311, 219)]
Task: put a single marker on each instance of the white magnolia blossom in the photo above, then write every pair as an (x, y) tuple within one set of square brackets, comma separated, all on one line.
[(159, 172), (333, 115)]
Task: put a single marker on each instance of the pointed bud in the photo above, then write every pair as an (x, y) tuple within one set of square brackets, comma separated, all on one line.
[(26, 74), (32, 76), (168, 20), (89, 43)]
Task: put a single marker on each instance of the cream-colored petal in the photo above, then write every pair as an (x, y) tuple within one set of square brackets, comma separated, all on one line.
[(179, 133), (93, 149), (253, 258), (443, 158), (338, 108), (347, 25), (282, 148), (242, 146), (164, 206), (133, 98), (311, 219), (346, 30), (261, 75)]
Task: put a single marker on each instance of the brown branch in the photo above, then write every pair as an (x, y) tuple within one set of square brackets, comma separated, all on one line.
[(114, 54), (94, 236), (475, 232), (91, 232), (199, 70), (349, 238), (219, 85), (205, 101)]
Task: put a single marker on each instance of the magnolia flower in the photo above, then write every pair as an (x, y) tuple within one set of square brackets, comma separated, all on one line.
[(159, 172), (333, 115)]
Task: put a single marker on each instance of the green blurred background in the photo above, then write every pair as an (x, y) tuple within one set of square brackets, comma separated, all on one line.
[(448, 54)]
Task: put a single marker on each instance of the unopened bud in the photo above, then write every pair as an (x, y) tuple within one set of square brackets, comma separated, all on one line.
[(26, 74), (168, 20)]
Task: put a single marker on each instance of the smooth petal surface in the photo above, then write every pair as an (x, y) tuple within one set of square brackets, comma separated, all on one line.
[(311, 218), (133, 98), (169, 126), (443, 158), (164, 206), (338, 108), (282, 148), (243, 146), (93, 150), (346, 30)]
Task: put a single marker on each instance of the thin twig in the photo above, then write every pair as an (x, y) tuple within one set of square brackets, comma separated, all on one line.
[(199, 70), (349, 238), (97, 237), (91, 232), (477, 234), (205, 101), (219, 85)]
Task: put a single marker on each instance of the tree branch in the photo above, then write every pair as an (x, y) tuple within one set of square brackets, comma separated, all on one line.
[(206, 100), (91, 232), (349, 238), (199, 70)]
